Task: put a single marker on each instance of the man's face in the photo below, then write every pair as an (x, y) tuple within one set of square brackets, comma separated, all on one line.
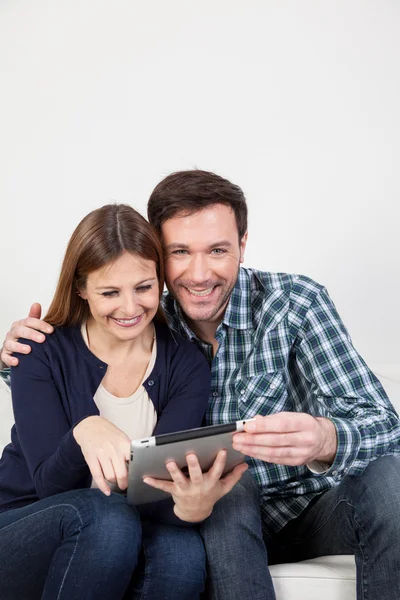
[(203, 255)]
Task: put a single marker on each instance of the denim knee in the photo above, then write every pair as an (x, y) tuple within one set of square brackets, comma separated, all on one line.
[(375, 493), (239, 508), (175, 563), (109, 521)]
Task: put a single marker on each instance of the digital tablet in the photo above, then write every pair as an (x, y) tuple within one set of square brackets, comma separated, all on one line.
[(150, 455)]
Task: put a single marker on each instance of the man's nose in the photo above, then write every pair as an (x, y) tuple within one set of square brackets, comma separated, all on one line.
[(199, 269)]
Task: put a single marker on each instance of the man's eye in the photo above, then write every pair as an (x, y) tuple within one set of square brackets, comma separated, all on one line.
[(218, 251), (144, 288), (179, 252), (109, 294)]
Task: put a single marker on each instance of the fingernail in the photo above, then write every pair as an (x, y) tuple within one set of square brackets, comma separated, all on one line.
[(48, 329), (39, 338), (146, 480)]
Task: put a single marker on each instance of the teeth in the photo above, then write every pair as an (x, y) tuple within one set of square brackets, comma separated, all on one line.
[(202, 293), (128, 320)]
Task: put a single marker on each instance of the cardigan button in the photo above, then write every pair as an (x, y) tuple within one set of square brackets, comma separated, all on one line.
[(151, 382)]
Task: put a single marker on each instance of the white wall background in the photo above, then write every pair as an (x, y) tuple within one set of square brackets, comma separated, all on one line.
[(297, 102)]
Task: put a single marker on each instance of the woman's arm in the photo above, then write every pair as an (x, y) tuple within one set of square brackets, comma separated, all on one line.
[(54, 458), (188, 393)]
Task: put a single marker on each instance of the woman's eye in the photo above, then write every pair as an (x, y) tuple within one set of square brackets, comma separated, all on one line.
[(109, 294), (143, 288)]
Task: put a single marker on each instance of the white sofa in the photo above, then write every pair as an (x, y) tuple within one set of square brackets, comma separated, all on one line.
[(327, 578)]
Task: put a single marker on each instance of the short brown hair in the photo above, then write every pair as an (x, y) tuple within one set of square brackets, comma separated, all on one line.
[(100, 238), (188, 192)]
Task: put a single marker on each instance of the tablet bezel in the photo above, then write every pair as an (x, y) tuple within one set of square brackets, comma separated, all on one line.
[(149, 456)]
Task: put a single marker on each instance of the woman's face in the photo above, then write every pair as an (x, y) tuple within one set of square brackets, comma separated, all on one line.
[(123, 296)]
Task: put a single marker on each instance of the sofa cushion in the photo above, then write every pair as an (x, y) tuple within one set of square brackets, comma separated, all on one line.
[(326, 578)]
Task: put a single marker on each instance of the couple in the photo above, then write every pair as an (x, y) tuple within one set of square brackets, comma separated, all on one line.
[(323, 449)]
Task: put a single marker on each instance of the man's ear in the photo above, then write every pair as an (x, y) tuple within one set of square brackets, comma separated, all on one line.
[(242, 246)]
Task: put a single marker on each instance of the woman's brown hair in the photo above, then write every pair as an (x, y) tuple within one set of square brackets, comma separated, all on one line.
[(100, 238)]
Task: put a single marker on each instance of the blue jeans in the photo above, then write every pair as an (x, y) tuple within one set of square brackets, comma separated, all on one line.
[(82, 545), (360, 516)]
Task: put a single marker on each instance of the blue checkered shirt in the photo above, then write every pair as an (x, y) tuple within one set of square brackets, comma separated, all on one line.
[(283, 347)]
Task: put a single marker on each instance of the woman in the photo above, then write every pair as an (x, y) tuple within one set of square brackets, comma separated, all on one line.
[(111, 372)]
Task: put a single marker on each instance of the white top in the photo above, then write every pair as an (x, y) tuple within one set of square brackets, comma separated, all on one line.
[(135, 415)]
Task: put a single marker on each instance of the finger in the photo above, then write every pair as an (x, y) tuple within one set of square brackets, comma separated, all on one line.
[(126, 450), (19, 330), (11, 346), (7, 359), (35, 310), (233, 477), (298, 438), (107, 466), (195, 472), (37, 323), (97, 475), (160, 484), (218, 466), (277, 423), (177, 476), (281, 456), (121, 473)]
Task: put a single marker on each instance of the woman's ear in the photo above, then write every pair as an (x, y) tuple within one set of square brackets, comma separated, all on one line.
[(82, 294)]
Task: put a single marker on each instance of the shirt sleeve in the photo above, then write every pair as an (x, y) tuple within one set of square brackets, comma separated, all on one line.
[(345, 390), (53, 456)]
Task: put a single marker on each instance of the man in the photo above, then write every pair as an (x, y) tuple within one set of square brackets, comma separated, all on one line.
[(324, 445)]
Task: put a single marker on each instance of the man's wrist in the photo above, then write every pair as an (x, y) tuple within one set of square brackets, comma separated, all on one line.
[(329, 445)]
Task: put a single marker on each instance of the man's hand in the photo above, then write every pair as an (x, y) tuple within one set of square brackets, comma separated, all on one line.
[(106, 450), (195, 496), (30, 329), (288, 438)]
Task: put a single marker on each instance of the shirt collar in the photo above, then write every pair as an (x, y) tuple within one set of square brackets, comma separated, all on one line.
[(238, 314)]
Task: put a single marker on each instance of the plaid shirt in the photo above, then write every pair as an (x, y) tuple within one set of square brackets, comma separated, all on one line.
[(283, 347), (5, 375)]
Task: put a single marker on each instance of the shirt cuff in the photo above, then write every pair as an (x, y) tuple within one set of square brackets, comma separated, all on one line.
[(348, 448), (318, 467)]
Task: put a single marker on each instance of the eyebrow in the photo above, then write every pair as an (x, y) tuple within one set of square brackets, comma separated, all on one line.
[(221, 244), (116, 287)]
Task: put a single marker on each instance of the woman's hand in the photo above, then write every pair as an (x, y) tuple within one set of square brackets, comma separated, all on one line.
[(106, 450), (195, 496)]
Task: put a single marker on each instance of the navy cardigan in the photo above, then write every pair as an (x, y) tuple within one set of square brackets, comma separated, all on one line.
[(53, 389)]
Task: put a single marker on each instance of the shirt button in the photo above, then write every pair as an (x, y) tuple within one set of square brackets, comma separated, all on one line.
[(242, 392), (272, 386), (215, 394), (101, 367), (334, 473), (151, 382)]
